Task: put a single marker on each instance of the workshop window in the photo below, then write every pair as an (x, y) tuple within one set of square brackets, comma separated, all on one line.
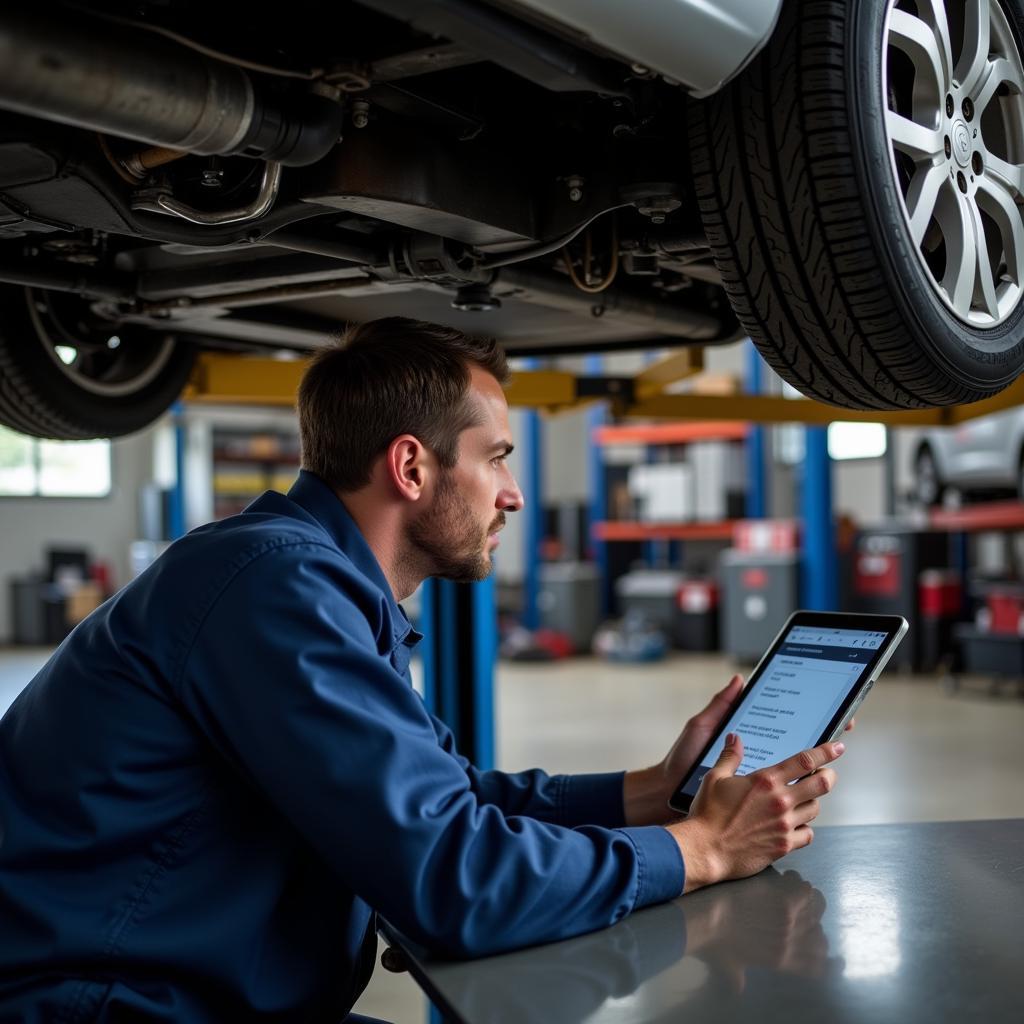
[(857, 440), (34, 468)]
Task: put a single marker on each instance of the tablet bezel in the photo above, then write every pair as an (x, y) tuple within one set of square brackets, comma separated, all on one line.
[(894, 626)]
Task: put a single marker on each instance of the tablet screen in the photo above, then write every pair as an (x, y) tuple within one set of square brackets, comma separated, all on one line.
[(798, 693)]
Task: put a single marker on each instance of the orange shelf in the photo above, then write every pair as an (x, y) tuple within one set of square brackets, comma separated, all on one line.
[(671, 433), (621, 530), (995, 515)]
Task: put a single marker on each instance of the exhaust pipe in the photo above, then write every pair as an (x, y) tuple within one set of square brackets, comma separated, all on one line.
[(140, 86)]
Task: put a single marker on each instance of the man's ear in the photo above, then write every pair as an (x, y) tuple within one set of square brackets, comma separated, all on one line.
[(408, 464)]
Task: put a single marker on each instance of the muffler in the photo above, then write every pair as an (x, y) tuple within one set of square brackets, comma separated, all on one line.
[(134, 84)]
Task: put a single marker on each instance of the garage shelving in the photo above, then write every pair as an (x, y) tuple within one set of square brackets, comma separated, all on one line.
[(992, 515), (610, 530), (667, 434), (245, 464)]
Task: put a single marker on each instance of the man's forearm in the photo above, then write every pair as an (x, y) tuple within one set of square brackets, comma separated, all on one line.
[(646, 803), (644, 797)]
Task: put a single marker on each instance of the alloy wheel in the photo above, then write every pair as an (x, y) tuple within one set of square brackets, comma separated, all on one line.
[(953, 82)]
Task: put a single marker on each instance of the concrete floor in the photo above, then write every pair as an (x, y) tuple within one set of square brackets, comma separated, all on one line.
[(917, 754)]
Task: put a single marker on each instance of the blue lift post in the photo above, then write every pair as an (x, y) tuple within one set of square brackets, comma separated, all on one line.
[(819, 569), (176, 499), (757, 490), (597, 507), (652, 549), (459, 626), (533, 490)]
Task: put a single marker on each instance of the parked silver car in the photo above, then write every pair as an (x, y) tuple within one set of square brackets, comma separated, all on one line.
[(981, 455), (838, 179)]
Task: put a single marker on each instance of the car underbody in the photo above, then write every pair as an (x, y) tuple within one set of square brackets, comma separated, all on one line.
[(177, 177), (445, 166)]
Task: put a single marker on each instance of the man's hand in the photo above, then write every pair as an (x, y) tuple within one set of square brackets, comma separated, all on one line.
[(647, 791), (738, 825), (788, 938)]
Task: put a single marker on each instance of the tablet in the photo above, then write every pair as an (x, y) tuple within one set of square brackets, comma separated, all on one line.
[(802, 692)]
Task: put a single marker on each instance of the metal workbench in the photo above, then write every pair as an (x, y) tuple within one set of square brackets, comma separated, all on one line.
[(906, 923)]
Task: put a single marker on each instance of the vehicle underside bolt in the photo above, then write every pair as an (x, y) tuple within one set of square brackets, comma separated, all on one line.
[(476, 298), (360, 114), (212, 175)]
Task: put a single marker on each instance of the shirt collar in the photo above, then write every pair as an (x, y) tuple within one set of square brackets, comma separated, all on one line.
[(313, 494)]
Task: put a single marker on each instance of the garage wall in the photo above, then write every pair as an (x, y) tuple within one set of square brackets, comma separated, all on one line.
[(858, 489), (104, 526)]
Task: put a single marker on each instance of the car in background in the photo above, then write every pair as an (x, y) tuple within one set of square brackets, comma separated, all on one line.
[(838, 179), (983, 456)]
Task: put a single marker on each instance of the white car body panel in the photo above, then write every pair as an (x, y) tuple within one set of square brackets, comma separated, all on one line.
[(699, 43), (979, 453)]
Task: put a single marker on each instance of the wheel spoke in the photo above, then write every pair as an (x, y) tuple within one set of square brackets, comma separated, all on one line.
[(933, 12), (917, 141), (1005, 175), (999, 205), (985, 291), (994, 74), (921, 196), (961, 257), (974, 55), (920, 43)]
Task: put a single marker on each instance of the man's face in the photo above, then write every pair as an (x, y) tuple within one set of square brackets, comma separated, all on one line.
[(457, 531)]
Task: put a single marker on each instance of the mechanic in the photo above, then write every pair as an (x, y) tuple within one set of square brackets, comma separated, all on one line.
[(224, 772)]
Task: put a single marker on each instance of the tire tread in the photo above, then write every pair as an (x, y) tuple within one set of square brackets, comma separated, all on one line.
[(782, 209)]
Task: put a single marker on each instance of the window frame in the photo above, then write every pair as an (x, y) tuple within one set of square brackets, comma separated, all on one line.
[(841, 459), (37, 450)]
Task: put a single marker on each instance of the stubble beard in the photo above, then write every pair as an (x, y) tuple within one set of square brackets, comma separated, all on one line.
[(447, 537)]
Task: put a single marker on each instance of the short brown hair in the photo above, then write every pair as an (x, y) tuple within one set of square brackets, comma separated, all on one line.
[(382, 379)]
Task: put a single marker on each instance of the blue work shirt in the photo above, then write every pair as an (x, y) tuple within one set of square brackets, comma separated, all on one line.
[(222, 774)]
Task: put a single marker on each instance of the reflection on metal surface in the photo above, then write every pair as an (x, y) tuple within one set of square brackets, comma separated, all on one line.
[(679, 958), (869, 930), (923, 924), (673, 987), (771, 922)]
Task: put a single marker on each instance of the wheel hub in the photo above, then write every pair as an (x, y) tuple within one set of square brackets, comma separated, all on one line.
[(955, 127), (961, 136)]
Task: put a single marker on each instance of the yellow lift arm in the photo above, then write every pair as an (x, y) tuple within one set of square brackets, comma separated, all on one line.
[(243, 380)]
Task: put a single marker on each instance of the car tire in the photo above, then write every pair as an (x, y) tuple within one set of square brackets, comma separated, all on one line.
[(66, 374), (928, 484), (804, 199)]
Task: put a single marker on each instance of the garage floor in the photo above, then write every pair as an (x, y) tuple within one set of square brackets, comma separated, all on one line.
[(917, 754)]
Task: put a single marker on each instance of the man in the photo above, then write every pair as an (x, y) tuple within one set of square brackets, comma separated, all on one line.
[(220, 777)]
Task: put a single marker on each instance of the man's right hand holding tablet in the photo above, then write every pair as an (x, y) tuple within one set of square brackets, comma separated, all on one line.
[(739, 824)]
